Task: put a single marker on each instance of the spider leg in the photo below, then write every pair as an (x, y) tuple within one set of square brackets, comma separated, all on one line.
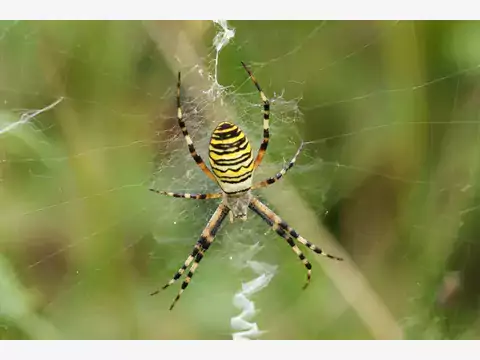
[(179, 273), (187, 280), (255, 205), (189, 196), (278, 176), (288, 233), (202, 245), (266, 119), (198, 159)]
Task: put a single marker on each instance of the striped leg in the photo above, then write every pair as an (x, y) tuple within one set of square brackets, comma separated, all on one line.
[(257, 207), (198, 159), (198, 247), (187, 280), (279, 175), (206, 238), (189, 196), (285, 231), (266, 119)]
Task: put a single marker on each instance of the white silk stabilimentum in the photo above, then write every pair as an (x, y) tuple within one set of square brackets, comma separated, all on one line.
[(245, 329)]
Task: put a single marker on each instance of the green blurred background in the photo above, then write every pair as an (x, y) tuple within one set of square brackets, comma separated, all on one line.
[(388, 179)]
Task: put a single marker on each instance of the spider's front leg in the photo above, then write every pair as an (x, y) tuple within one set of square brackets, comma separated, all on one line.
[(188, 195), (191, 147), (279, 175), (266, 118)]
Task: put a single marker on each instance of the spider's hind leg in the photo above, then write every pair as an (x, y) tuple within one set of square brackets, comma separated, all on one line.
[(280, 231), (179, 273), (208, 236), (257, 207), (202, 245), (289, 234)]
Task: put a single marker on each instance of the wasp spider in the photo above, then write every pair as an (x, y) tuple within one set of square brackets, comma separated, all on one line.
[(233, 164)]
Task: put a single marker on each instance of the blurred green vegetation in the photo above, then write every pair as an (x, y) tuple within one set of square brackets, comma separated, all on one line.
[(390, 173)]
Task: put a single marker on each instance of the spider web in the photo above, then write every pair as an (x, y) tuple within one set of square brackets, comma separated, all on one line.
[(387, 177)]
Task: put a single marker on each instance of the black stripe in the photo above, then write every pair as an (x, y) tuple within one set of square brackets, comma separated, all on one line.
[(226, 135), (197, 159), (292, 232), (266, 133), (289, 240), (283, 225), (237, 192), (178, 275), (200, 253), (255, 209), (225, 126), (230, 149), (178, 89), (232, 165), (232, 162), (233, 169), (237, 181), (235, 161), (200, 243), (233, 130), (221, 217), (227, 146), (205, 248), (239, 142)]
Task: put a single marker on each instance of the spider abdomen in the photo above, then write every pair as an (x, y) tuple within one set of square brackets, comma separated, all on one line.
[(231, 159)]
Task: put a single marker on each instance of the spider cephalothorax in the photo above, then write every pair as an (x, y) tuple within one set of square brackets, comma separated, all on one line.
[(238, 204), (233, 164)]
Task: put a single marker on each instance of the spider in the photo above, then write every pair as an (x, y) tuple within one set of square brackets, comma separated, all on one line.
[(233, 164)]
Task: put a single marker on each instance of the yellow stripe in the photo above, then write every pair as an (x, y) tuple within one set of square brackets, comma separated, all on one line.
[(235, 180), (219, 131), (237, 167), (234, 173), (234, 155), (231, 150), (227, 141)]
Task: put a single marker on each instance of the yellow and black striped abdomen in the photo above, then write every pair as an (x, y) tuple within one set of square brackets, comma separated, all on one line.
[(231, 158)]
